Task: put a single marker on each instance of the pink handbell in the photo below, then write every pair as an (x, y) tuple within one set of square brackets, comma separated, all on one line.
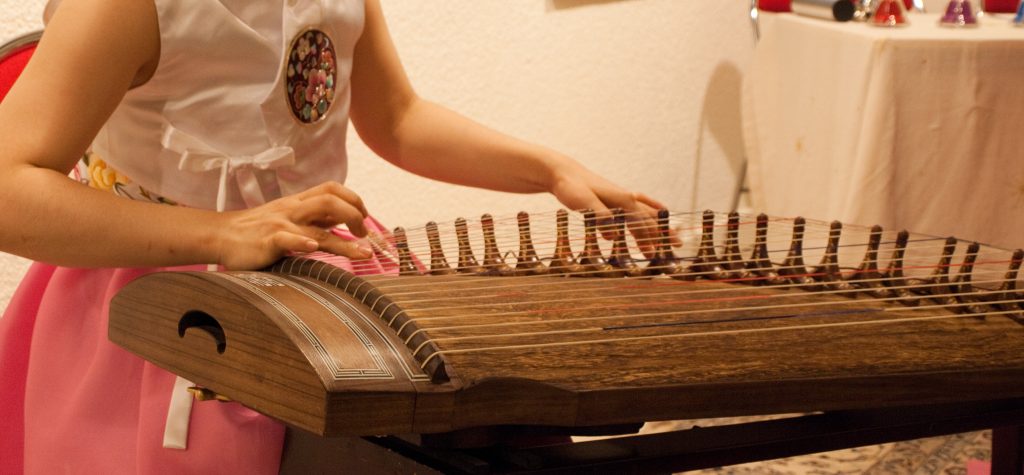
[(959, 13)]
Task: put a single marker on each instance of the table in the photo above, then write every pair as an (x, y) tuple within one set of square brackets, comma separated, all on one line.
[(656, 453), (917, 127)]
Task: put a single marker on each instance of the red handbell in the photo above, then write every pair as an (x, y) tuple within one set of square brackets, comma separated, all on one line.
[(889, 13), (1000, 6), (774, 5)]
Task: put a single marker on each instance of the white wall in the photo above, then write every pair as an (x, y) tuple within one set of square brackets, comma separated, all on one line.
[(627, 87), (20, 16), (645, 92)]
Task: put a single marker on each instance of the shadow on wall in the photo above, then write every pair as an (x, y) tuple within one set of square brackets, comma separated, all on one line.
[(721, 112), (720, 118), (566, 4)]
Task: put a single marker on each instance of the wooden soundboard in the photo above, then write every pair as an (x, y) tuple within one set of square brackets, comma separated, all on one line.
[(335, 354)]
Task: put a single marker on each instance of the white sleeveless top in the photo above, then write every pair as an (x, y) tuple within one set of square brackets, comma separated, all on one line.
[(214, 127)]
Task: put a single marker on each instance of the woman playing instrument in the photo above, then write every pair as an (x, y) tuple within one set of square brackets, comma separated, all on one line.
[(223, 122)]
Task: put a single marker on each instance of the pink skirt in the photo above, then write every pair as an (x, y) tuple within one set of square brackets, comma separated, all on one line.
[(72, 402)]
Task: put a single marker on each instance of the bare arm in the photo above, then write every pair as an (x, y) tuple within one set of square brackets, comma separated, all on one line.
[(431, 141), (92, 53)]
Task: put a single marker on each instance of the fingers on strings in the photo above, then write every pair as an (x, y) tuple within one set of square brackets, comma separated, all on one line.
[(641, 216), (328, 205)]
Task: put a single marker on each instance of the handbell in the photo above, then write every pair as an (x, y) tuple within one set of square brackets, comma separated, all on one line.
[(889, 13), (959, 13), (999, 6)]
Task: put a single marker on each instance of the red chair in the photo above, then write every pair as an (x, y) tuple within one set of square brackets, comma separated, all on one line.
[(14, 56)]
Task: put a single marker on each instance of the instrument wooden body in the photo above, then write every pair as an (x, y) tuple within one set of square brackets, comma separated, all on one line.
[(335, 354)]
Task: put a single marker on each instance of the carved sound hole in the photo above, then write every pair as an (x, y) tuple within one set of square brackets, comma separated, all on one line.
[(206, 323)]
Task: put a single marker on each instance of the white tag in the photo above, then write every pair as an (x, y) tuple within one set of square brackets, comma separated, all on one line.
[(178, 414)]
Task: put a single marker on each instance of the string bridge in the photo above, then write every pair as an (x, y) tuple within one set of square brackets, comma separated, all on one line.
[(742, 249)]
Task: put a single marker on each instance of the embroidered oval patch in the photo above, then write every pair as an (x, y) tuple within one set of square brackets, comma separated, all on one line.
[(311, 76)]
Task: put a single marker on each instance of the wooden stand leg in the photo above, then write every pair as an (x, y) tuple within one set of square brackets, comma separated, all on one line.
[(1007, 450)]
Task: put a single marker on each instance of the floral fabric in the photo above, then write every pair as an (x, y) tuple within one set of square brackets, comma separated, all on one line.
[(93, 171)]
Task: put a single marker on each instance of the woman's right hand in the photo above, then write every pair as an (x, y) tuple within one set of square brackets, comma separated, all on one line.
[(300, 223)]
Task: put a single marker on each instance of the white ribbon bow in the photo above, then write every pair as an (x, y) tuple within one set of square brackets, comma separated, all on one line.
[(243, 167), (198, 157)]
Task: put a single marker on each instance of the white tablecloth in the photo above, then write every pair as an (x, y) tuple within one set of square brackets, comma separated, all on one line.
[(919, 127)]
